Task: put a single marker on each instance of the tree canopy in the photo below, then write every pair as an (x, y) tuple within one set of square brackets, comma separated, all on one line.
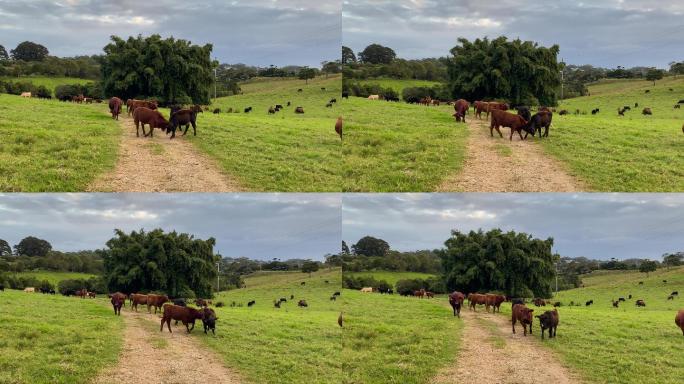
[(3, 53), (32, 246), (5, 249), (377, 54), (29, 51), (371, 246), (514, 263), (174, 263), (520, 72), (348, 55), (309, 267), (307, 73), (648, 266), (170, 70), (654, 74), (669, 259)]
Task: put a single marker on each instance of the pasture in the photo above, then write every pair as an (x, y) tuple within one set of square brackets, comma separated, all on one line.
[(276, 152), (55, 277), (399, 85), (391, 277), (55, 339), (281, 345), (50, 146)]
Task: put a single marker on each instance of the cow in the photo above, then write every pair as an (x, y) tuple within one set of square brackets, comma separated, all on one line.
[(249, 304), (278, 106), (26, 94), (456, 300), (537, 122), (248, 109), (82, 293), (2, 288), (92, 295), (302, 303), (30, 290), (640, 303), (647, 111), (429, 294), (345, 95), (334, 294), (677, 106), (475, 299), (271, 110), (548, 320), (340, 320), (133, 104), (481, 106), (209, 320), (615, 303), (144, 115), (557, 304), (647, 91), (539, 302), (300, 90), (374, 97), (588, 303), (621, 299), (333, 298), (156, 301), (186, 315), (524, 112), (299, 110), (138, 299), (679, 320), (670, 297), (502, 118), (117, 303), (563, 112), (523, 315), (77, 99), (115, 107), (276, 304), (217, 111), (494, 301), (333, 101), (460, 108), (367, 289), (201, 302), (329, 105), (119, 295), (419, 293), (674, 293), (180, 118), (338, 126)]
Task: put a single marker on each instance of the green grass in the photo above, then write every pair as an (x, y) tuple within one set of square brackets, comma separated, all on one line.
[(394, 339), (55, 339), (287, 345), (397, 147), (50, 82), (625, 344), (50, 146), (55, 277), (635, 152), (399, 85), (391, 277), (282, 152)]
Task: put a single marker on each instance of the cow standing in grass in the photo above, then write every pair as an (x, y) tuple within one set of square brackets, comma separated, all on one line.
[(115, 107), (456, 300)]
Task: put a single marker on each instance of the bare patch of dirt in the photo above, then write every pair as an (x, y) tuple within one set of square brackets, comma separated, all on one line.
[(521, 167), (161, 165), (150, 356), (491, 353)]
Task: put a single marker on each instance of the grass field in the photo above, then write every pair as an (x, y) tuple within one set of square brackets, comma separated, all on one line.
[(626, 344), (635, 152), (391, 277), (286, 345), (50, 82), (51, 339), (398, 147), (55, 277), (282, 152), (399, 85), (49, 146)]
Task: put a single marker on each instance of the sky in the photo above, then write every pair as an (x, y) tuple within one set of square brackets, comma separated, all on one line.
[(597, 226), (254, 32), (255, 225), (604, 33)]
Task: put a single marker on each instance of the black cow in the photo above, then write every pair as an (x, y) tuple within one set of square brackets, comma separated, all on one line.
[(249, 304), (548, 320), (345, 95), (209, 320), (674, 293), (248, 109), (336, 293), (537, 122), (588, 303), (524, 112)]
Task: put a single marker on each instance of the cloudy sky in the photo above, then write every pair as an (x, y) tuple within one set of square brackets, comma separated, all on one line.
[(594, 225), (255, 32), (603, 33), (259, 225)]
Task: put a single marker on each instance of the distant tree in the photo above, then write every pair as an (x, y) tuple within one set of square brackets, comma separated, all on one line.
[(673, 259), (648, 266), (309, 267), (348, 55), (307, 73), (345, 248), (5, 249), (29, 51), (329, 67), (654, 74), (32, 246), (677, 68), (371, 246), (377, 54), (3, 54)]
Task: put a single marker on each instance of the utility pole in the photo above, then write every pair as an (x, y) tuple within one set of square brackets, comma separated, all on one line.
[(562, 79), (215, 81), (556, 279), (218, 271)]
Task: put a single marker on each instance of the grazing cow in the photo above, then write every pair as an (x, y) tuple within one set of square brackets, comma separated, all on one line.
[(674, 293), (367, 289), (300, 90), (677, 106), (156, 301), (144, 115), (539, 302), (537, 122), (180, 118), (302, 283), (345, 95), (460, 108), (647, 91), (480, 107), (137, 299), (276, 304), (523, 315), (217, 111), (548, 320), (373, 97), (647, 111), (283, 300), (302, 303), (615, 303), (186, 315), (621, 299), (334, 294), (524, 112), (429, 294), (333, 298), (292, 296), (271, 110), (641, 283), (588, 303), (117, 303), (627, 108), (640, 303), (322, 88), (248, 109), (115, 107), (329, 105), (664, 281), (679, 320), (340, 320), (502, 118), (299, 110), (670, 297), (621, 112), (26, 94), (333, 100), (456, 300), (30, 290), (278, 106), (338, 126), (249, 304), (557, 304), (563, 112), (209, 320)]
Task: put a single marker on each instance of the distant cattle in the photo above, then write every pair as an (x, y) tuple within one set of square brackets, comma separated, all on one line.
[(82, 293), (537, 122), (647, 91), (302, 283), (539, 302), (636, 105), (300, 90), (271, 110), (153, 118), (340, 320), (133, 104), (367, 289), (138, 299), (156, 301), (30, 290), (333, 298), (278, 107), (548, 320), (677, 106), (26, 94), (670, 297), (248, 109), (621, 299), (2, 288), (456, 300), (615, 303), (523, 315), (674, 293), (640, 303), (460, 108), (299, 110), (183, 117), (429, 294), (557, 304), (334, 294), (374, 97), (338, 126), (588, 303), (647, 111), (115, 107), (630, 296), (249, 304), (217, 111), (322, 88), (504, 119), (180, 302), (563, 112), (679, 320), (302, 303), (209, 320), (202, 302), (641, 283), (345, 95), (329, 105), (680, 101), (186, 315)]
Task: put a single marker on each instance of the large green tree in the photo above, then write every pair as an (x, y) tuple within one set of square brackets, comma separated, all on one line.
[(648, 266), (5, 249), (654, 74), (348, 56), (520, 72), (170, 70), (669, 259), (371, 246), (3, 53), (33, 246), (29, 51), (514, 263), (174, 263), (309, 267), (377, 54)]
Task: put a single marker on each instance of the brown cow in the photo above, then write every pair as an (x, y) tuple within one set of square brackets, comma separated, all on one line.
[(429, 294), (115, 107), (135, 104), (524, 315), (120, 295), (186, 315), (456, 300), (515, 122), (647, 111), (144, 115), (475, 299), (494, 301), (338, 127), (679, 320), (492, 106), (480, 107), (299, 110), (156, 301), (548, 320), (202, 302), (137, 299), (539, 302), (117, 303), (420, 293), (460, 107)]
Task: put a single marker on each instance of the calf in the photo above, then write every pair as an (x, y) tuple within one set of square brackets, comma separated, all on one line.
[(456, 300), (516, 123), (523, 315), (153, 118), (679, 320), (209, 320), (548, 320), (180, 118), (186, 315)]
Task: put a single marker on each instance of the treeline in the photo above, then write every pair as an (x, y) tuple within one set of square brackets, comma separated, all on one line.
[(370, 253), (378, 61), (32, 253), (30, 58)]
